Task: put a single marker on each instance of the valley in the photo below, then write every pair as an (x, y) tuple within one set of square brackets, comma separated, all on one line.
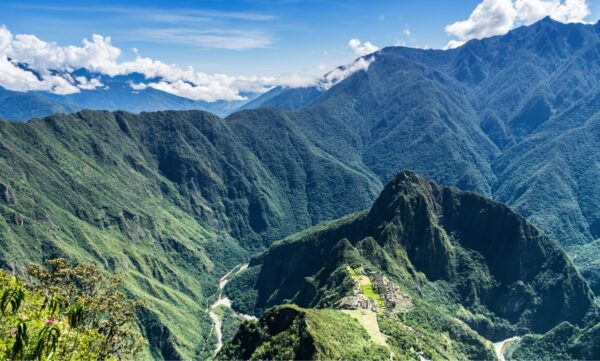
[(224, 301), (433, 204)]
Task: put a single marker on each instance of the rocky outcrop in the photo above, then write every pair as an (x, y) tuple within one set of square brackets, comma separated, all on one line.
[(8, 194)]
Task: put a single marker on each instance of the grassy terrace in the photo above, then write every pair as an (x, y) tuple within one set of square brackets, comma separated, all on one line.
[(366, 288)]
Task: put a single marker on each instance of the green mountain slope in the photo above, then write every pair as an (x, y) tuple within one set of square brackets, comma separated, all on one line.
[(170, 201), (520, 127), (453, 255), (292, 333), (173, 200), (565, 342)]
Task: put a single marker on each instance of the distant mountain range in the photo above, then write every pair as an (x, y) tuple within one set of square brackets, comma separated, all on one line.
[(116, 93)]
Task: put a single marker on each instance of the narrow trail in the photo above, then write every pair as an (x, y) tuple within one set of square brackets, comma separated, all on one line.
[(224, 301), (500, 347)]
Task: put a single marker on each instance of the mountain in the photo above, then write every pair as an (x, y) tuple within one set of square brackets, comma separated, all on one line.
[(432, 259), (173, 201), (513, 117), (564, 342), (284, 98), (116, 93), (18, 106), (505, 121), (169, 200)]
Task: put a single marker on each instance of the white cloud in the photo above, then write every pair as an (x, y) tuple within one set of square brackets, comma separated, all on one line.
[(491, 17), (207, 38), (49, 66), (88, 84), (361, 49), (337, 75), (497, 17), (407, 31), (295, 80), (453, 44), (138, 86), (567, 11)]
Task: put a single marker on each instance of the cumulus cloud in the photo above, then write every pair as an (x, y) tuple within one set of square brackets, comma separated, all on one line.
[(497, 17), (48, 68), (361, 49)]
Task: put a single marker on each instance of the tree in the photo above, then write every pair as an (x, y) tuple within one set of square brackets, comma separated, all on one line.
[(66, 312)]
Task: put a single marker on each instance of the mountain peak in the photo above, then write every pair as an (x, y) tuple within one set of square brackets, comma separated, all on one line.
[(478, 247), (547, 20)]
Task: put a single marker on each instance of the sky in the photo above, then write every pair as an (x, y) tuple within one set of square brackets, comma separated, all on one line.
[(235, 46)]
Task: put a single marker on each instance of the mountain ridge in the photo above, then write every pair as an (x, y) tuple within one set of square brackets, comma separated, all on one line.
[(522, 90)]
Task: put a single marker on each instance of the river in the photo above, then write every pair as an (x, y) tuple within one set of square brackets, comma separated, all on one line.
[(500, 347), (224, 301)]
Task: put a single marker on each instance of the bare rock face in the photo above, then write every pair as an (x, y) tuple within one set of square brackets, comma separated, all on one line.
[(18, 219), (8, 194)]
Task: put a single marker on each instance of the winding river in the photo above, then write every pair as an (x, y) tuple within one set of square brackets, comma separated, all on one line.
[(224, 301)]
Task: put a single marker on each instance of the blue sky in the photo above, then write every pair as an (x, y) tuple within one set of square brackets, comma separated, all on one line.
[(289, 36), (260, 37)]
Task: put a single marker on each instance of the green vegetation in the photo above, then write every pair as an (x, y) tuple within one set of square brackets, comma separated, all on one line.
[(587, 258), (452, 253), (367, 290), (290, 332), (428, 331), (564, 342), (66, 313), (169, 201)]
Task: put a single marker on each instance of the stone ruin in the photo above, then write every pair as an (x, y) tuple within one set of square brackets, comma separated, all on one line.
[(389, 292)]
